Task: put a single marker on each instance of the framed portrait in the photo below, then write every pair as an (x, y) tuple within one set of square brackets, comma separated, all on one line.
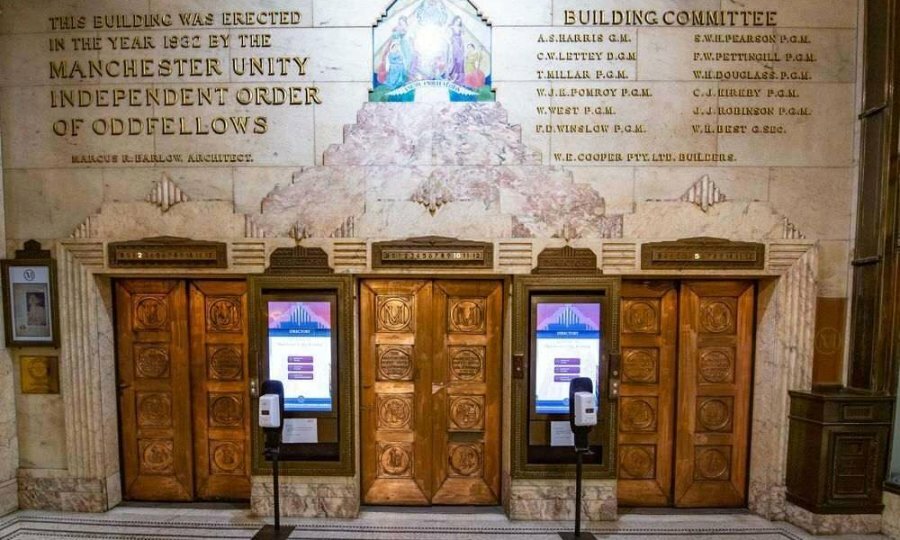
[(29, 302)]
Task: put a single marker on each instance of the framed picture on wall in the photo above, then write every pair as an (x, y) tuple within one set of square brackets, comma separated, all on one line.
[(29, 299)]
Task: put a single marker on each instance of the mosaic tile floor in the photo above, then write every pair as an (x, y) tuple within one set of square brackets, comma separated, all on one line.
[(154, 523)]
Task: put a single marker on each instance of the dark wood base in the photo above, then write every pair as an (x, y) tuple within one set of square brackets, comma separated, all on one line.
[(269, 532), (582, 536)]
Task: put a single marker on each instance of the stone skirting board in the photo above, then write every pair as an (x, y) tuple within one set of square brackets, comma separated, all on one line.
[(52, 491), (9, 496), (832, 523), (553, 500), (890, 519), (307, 497)]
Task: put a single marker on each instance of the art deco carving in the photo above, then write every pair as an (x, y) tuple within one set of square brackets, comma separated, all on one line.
[(432, 194), (640, 366), (704, 193), (466, 413), (638, 414), (637, 461), (226, 410), (640, 316), (716, 365), (156, 456), (298, 260), (567, 260), (395, 411), (226, 457), (394, 314), (703, 253), (714, 414), (717, 315), (466, 315), (166, 194), (346, 230), (789, 231), (225, 362), (87, 229), (466, 460), (223, 314), (395, 460), (712, 463), (395, 362), (252, 229), (467, 363), (151, 361), (151, 312), (154, 410)]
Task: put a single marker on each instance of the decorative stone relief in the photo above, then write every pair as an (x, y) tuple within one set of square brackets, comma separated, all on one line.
[(432, 194), (714, 414), (704, 193), (252, 229), (87, 229), (791, 232), (166, 194)]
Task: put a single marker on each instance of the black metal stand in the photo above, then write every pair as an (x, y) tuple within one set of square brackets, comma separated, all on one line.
[(578, 535), (277, 532)]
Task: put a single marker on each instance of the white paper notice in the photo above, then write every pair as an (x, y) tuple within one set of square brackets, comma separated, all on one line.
[(300, 430), (561, 434)]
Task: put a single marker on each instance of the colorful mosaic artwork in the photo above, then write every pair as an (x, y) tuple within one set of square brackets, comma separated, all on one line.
[(432, 50)]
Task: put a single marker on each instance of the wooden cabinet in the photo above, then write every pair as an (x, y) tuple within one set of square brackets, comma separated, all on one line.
[(836, 451)]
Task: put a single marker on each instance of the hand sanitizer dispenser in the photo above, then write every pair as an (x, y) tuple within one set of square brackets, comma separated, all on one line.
[(585, 409), (270, 411)]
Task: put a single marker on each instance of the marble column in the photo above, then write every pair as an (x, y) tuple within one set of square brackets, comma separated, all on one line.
[(9, 444)]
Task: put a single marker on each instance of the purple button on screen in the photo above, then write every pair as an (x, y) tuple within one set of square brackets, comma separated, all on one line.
[(300, 376), (563, 378), (306, 367), (566, 369), (300, 359), (567, 361)]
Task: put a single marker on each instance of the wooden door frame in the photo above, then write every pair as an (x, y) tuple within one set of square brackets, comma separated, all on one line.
[(505, 354), (109, 285)]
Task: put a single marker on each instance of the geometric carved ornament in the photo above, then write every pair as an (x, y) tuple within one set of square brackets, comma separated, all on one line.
[(223, 314), (712, 463), (154, 410), (641, 316), (640, 366), (717, 315), (637, 461), (395, 411), (157, 456), (466, 413), (467, 363), (394, 460), (394, 313), (150, 312), (394, 362), (638, 414), (466, 459), (467, 315), (151, 361), (226, 457), (225, 363)]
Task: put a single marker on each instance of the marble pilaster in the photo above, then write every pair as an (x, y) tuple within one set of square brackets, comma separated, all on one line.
[(9, 445), (784, 349)]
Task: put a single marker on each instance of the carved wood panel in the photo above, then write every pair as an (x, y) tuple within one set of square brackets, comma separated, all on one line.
[(646, 408), (467, 325), (715, 366), (154, 390), (185, 417), (431, 392), (395, 345), (220, 389)]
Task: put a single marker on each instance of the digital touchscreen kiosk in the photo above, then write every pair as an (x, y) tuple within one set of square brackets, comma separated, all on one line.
[(567, 345), (300, 353)]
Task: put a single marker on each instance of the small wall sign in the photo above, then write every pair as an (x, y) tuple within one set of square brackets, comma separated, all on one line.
[(39, 374), (29, 298)]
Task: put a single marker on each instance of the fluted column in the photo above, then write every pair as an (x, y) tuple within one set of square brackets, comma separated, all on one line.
[(784, 360)]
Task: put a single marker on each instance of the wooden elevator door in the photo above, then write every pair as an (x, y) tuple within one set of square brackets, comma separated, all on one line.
[(430, 353), (183, 389), (684, 411)]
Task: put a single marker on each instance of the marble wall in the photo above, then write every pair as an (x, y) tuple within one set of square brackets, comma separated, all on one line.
[(9, 447), (531, 168), (890, 519)]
